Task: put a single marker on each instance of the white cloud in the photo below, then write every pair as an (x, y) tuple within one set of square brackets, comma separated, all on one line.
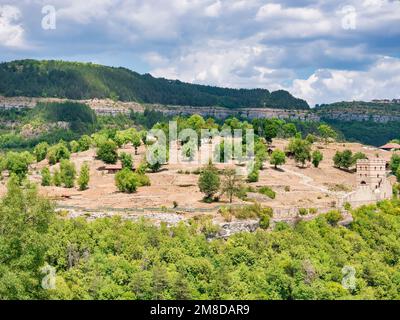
[(379, 81), (11, 32)]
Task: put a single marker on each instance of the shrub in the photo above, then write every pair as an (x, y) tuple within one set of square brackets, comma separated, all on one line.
[(254, 176), (265, 222), (126, 160), (333, 217), (74, 146), (107, 152), (40, 151), (143, 180), (317, 157), (84, 143), (84, 176), (57, 153), (347, 206), (46, 177), (267, 191), (303, 212), (68, 173), (313, 211), (126, 181), (57, 178)]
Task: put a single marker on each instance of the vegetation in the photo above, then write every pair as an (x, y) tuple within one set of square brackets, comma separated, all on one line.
[(46, 177), (67, 173), (231, 184), (278, 158), (107, 151), (209, 182), (317, 157), (84, 177), (267, 191), (86, 81), (126, 181), (57, 153), (126, 160), (346, 159)]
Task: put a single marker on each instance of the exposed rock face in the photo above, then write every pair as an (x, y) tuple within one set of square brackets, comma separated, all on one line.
[(230, 228)]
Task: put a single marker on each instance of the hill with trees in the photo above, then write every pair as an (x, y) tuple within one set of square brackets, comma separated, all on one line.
[(74, 80)]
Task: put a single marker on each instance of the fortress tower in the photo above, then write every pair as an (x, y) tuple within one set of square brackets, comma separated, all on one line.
[(371, 173)]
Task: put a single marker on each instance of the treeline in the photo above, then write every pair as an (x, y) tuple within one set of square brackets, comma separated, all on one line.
[(116, 259), (85, 81)]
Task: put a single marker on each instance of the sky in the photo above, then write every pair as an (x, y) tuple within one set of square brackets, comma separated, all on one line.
[(319, 50)]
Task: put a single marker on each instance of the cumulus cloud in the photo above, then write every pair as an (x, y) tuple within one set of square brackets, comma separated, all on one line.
[(11, 32), (380, 81)]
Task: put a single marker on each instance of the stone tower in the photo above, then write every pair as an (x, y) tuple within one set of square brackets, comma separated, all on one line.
[(371, 173)]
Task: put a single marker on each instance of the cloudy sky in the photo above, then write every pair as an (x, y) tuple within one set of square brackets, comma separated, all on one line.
[(319, 50)]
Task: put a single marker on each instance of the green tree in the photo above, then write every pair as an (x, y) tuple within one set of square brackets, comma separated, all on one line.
[(57, 178), (57, 153), (209, 182), (395, 163), (301, 150), (84, 177), (343, 160), (85, 143), (136, 141), (107, 152), (46, 177), (231, 184), (126, 181), (68, 173), (74, 146), (278, 158), (126, 160), (326, 132), (18, 164), (317, 157), (289, 130), (40, 151)]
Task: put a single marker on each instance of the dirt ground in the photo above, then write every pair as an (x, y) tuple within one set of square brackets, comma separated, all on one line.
[(295, 187)]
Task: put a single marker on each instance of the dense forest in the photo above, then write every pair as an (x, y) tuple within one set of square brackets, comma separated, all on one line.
[(116, 259), (85, 80)]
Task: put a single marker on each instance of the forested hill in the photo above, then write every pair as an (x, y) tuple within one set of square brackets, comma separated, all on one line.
[(74, 80)]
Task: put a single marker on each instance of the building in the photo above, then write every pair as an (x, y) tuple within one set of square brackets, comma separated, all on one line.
[(372, 184), (390, 147)]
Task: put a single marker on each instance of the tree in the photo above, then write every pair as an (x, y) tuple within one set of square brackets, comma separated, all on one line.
[(317, 157), (395, 163), (57, 153), (126, 181), (84, 177), (136, 141), (343, 160), (209, 182), (231, 184), (398, 174), (189, 150), (107, 152), (18, 164), (57, 178), (40, 151), (289, 130), (126, 160), (278, 158), (326, 132), (67, 173), (25, 220), (84, 143), (74, 146), (46, 177), (301, 150)]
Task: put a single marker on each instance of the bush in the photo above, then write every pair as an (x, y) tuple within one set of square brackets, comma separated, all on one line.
[(254, 176), (74, 146), (57, 178), (84, 176), (265, 222), (126, 181), (317, 157), (126, 160), (278, 158), (267, 191), (303, 212), (68, 173), (84, 143), (313, 211), (46, 177), (143, 180), (107, 152), (333, 217), (40, 151), (57, 153)]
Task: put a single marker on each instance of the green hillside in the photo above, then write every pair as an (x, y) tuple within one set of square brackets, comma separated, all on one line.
[(85, 81)]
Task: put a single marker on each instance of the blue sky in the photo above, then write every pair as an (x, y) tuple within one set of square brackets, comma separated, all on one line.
[(319, 50)]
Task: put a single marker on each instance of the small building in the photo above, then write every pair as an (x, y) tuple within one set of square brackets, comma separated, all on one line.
[(372, 183), (390, 147)]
